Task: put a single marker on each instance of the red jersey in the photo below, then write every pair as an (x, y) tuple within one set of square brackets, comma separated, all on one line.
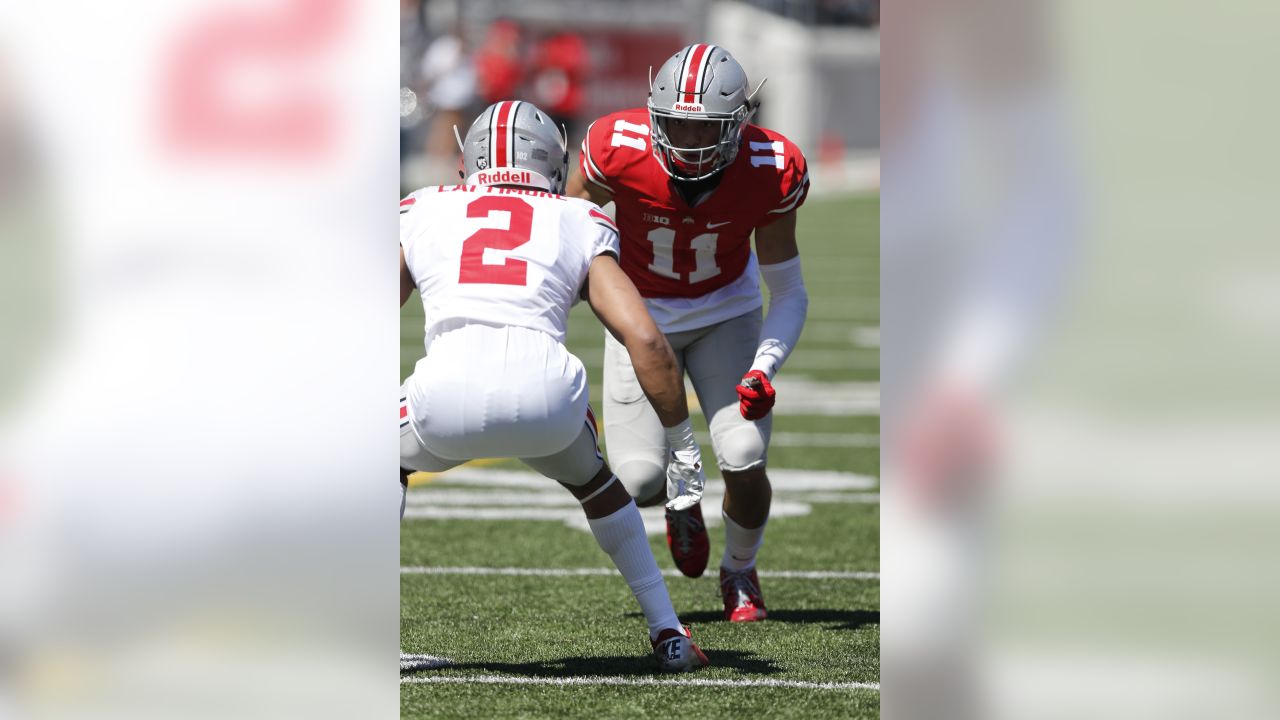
[(669, 248)]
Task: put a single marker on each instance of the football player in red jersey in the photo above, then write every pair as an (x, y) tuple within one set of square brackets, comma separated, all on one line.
[(692, 180)]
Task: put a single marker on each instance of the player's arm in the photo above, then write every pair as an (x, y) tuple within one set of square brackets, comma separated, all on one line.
[(788, 305), (581, 187), (617, 303), (406, 280)]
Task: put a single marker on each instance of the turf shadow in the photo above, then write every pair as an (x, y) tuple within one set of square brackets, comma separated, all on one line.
[(611, 665), (836, 619)]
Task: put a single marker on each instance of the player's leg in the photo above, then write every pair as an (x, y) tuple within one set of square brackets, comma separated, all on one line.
[(617, 527), (716, 362), (634, 435), (413, 456), (638, 452)]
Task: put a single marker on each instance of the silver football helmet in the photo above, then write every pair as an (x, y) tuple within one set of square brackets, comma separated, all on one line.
[(514, 143), (700, 83)]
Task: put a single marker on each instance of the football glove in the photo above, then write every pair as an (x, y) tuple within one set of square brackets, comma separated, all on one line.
[(685, 483), (755, 395), (685, 478)]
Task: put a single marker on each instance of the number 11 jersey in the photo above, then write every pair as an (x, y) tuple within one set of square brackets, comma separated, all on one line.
[(692, 263), (500, 256)]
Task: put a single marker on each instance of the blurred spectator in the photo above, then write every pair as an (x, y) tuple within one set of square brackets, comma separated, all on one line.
[(449, 82), (498, 62), (559, 70), (413, 43)]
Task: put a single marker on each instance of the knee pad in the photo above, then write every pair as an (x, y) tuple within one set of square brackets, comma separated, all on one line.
[(740, 447), (643, 479)]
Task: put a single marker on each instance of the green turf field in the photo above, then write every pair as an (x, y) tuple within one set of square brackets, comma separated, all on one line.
[(500, 576)]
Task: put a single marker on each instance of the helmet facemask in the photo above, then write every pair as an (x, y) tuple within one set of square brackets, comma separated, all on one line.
[(701, 83), (686, 162)]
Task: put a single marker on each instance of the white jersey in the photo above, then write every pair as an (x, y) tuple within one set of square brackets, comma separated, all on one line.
[(500, 256)]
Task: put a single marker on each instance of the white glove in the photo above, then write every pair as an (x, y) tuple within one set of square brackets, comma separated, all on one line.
[(685, 479)]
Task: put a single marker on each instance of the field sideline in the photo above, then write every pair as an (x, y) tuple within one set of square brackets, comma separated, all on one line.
[(508, 607)]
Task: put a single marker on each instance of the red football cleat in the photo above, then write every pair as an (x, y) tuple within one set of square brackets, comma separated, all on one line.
[(675, 651), (743, 601), (688, 541)]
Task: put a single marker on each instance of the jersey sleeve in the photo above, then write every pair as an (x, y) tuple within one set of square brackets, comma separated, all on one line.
[(605, 235), (794, 181), (410, 216), (613, 144), (595, 153)]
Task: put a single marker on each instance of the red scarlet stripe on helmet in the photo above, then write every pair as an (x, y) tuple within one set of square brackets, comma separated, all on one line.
[(499, 141), (693, 71)]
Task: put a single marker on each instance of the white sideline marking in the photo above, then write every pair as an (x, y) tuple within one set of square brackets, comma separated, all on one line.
[(607, 680), (867, 337), (667, 572), (782, 479), (798, 395), (799, 439), (858, 357), (489, 494)]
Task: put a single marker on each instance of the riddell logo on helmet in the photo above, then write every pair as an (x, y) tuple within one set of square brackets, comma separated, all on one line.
[(515, 177), (688, 107)]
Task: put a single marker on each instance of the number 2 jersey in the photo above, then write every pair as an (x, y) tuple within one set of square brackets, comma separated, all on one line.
[(692, 264), (500, 256)]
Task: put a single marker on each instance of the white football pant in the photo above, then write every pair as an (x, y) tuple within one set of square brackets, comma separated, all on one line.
[(715, 359), (499, 392)]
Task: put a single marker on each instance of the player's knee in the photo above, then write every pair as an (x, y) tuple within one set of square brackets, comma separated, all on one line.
[(739, 446), (741, 457), (645, 482)]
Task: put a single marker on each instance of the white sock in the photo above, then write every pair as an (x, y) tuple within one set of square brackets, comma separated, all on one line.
[(404, 489), (622, 536), (740, 544)]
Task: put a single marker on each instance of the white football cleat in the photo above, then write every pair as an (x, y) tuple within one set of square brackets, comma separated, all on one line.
[(675, 651)]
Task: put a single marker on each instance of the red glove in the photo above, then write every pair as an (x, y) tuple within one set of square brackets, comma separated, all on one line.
[(755, 395)]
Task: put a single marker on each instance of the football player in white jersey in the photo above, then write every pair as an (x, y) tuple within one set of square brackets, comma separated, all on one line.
[(499, 261)]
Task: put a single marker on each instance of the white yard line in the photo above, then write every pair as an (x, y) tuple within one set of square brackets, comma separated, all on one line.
[(802, 439), (813, 440), (480, 493), (601, 571), (637, 681), (859, 357)]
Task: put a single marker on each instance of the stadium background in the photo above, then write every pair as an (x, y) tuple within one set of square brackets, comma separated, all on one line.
[(498, 577)]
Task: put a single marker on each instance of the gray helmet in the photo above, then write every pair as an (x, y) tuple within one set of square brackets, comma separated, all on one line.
[(515, 143), (704, 83)]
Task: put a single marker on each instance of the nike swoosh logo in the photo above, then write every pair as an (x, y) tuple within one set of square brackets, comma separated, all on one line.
[(716, 225)]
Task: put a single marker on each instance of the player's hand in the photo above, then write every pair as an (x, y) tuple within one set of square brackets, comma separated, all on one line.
[(685, 480), (755, 395)]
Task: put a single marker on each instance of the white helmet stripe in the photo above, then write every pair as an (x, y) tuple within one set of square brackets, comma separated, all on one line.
[(684, 72), (692, 73)]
